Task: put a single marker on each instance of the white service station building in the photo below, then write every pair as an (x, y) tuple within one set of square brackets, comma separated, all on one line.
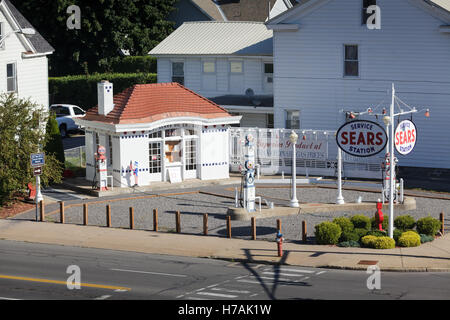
[(157, 132)]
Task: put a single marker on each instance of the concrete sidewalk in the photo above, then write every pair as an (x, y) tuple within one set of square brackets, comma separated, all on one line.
[(434, 256)]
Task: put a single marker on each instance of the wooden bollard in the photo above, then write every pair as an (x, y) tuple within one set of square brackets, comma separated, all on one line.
[(42, 210), (229, 227), (279, 225), (155, 219), (131, 218), (304, 236), (253, 228), (108, 215), (61, 212), (178, 221), (205, 224), (441, 217), (85, 214)]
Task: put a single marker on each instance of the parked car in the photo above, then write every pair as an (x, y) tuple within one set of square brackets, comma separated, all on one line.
[(65, 113)]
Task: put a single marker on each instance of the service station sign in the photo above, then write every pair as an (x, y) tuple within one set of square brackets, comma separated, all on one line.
[(361, 138), (405, 137)]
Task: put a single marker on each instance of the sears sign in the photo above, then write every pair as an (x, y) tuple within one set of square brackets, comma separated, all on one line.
[(361, 138), (405, 137)]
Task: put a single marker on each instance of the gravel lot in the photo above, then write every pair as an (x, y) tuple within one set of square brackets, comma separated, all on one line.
[(192, 207)]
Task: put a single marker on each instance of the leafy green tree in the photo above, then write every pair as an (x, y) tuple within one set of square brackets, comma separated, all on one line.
[(54, 145), (21, 134), (106, 27)]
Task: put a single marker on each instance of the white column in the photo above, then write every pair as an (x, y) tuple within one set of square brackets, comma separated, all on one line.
[(392, 168), (294, 202), (340, 198)]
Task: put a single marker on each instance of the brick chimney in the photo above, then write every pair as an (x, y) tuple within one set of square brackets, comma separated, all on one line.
[(105, 97)]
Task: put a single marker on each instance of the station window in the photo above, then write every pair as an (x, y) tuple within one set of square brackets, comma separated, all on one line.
[(154, 157), (191, 155)]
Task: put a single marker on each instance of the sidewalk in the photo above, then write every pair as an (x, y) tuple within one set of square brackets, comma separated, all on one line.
[(434, 256)]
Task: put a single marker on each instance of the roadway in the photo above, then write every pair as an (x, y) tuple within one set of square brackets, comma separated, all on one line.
[(36, 271)]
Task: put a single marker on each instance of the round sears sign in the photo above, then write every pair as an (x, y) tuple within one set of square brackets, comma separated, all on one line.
[(361, 138), (405, 137)]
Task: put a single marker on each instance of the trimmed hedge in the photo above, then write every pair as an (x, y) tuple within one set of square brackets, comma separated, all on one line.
[(384, 224), (405, 222), (378, 242), (129, 64), (377, 233), (345, 224), (360, 232), (425, 238), (349, 236), (428, 226), (368, 241), (360, 221), (327, 233), (81, 90), (409, 239), (349, 244)]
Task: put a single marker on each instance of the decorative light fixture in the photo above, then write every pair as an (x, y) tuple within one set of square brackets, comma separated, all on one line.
[(427, 113)]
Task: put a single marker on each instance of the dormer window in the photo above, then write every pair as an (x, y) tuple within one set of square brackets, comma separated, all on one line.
[(365, 15)]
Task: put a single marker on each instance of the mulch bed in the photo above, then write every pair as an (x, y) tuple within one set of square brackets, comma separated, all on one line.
[(18, 205)]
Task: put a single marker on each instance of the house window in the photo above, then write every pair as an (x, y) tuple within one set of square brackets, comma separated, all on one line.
[(154, 135), (365, 15), (191, 155), (209, 67), (236, 67), (11, 77), (178, 72), (268, 72), (292, 119), (2, 44), (351, 61), (154, 157), (110, 143)]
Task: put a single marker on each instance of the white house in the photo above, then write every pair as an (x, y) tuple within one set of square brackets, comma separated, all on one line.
[(23, 58), (165, 130), (230, 63), (327, 61)]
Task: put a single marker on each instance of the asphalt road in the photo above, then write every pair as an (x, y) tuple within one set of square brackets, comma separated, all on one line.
[(36, 271)]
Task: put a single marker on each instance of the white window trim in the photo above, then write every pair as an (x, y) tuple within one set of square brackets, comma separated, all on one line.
[(2, 34), (267, 75), (16, 82), (344, 60), (236, 73), (209, 61), (286, 111), (171, 69)]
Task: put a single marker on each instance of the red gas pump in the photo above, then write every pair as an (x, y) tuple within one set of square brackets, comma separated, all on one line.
[(379, 215)]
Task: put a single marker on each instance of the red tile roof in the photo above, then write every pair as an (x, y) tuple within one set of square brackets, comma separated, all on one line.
[(144, 103)]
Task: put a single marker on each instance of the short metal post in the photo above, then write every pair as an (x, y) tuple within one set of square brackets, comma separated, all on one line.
[(178, 221), (229, 227), (42, 210), (253, 228), (155, 219), (205, 224), (304, 232), (85, 214), (279, 225), (108, 216), (131, 218), (61, 212), (441, 217), (236, 198)]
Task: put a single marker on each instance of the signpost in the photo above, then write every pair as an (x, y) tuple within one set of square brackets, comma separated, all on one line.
[(37, 161), (405, 137)]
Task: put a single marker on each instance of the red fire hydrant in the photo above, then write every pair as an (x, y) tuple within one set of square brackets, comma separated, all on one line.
[(379, 216), (31, 191), (280, 243)]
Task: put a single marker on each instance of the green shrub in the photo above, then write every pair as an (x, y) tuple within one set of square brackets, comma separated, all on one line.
[(397, 233), (425, 238), (347, 244), (409, 239), (368, 241), (129, 64), (327, 233), (360, 232), (384, 243), (345, 224), (81, 90), (404, 222), (360, 221), (384, 224), (377, 233), (349, 236), (428, 226)]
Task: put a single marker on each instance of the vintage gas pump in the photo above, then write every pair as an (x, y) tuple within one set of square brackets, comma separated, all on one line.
[(249, 180), (386, 169), (135, 171), (379, 218), (102, 170)]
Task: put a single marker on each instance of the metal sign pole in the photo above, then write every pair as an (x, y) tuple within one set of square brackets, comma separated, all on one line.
[(340, 198), (392, 165)]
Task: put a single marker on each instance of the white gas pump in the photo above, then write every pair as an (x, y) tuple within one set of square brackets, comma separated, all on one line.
[(102, 170), (386, 167), (249, 182)]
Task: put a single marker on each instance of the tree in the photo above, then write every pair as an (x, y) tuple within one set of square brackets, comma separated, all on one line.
[(21, 134), (54, 145), (106, 27)]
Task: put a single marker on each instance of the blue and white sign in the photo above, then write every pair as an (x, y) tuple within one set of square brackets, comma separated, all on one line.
[(37, 159)]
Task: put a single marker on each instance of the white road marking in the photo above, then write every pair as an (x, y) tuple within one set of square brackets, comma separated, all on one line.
[(320, 272), (120, 290), (292, 270), (150, 272), (194, 298), (4, 298), (103, 297), (204, 293), (230, 290), (284, 274)]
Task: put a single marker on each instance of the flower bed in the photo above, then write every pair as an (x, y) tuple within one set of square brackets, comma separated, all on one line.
[(361, 231)]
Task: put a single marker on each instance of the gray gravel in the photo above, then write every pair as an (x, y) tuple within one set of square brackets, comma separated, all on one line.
[(193, 206)]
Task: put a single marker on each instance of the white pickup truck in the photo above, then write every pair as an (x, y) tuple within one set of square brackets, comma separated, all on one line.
[(65, 113)]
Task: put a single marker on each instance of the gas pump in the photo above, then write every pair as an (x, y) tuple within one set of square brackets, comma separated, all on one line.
[(249, 174), (102, 170), (386, 171)]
